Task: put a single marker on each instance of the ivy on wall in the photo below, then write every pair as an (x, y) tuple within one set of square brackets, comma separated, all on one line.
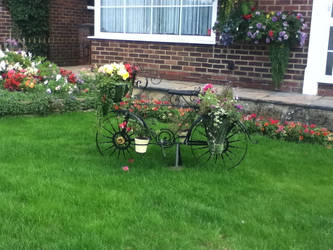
[(31, 20)]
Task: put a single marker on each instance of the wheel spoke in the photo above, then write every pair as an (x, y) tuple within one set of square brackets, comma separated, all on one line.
[(107, 148)]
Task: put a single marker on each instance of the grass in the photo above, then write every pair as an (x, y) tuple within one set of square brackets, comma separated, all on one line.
[(57, 192)]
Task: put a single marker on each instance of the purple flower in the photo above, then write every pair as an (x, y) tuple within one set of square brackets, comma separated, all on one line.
[(259, 25), (285, 37), (302, 39), (304, 26), (282, 33), (239, 106), (274, 19), (257, 13), (284, 17), (280, 39), (268, 40), (249, 34), (279, 13), (285, 24)]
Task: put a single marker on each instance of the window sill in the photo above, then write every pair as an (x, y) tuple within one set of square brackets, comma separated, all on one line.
[(90, 7), (209, 40)]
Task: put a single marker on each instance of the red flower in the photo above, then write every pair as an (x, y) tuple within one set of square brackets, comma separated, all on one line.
[(253, 8), (313, 125), (123, 124), (271, 33), (247, 17), (312, 132), (157, 102)]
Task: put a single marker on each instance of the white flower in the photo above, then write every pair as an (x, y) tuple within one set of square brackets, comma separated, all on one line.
[(2, 54), (2, 66), (46, 82), (58, 88), (58, 77), (49, 91)]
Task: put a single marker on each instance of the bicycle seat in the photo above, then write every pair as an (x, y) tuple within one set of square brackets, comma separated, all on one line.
[(183, 92)]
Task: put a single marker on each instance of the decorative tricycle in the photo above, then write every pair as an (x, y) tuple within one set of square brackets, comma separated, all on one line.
[(214, 131)]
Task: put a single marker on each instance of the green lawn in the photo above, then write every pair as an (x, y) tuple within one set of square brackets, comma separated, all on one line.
[(57, 192)]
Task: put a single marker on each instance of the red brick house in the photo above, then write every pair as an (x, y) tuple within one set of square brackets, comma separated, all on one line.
[(174, 38)]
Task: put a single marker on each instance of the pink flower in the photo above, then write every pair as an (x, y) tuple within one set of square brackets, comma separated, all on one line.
[(123, 124), (126, 168), (207, 87)]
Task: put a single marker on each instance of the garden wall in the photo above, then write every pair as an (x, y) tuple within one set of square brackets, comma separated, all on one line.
[(209, 63)]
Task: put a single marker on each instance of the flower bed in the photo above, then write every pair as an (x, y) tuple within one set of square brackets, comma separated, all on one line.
[(290, 131), (33, 85)]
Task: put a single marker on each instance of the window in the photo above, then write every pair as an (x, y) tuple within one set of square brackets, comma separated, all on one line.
[(188, 21)]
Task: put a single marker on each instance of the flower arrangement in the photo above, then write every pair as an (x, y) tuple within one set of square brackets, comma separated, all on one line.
[(279, 30), (20, 71), (113, 81), (220, 112), (291, 131)]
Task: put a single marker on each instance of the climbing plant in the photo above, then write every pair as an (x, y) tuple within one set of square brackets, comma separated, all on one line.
[(31, 20)]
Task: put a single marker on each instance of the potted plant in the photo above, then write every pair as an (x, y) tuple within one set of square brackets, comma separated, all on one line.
[(113, 81), (280, 31), (220, 112), (141, 139)]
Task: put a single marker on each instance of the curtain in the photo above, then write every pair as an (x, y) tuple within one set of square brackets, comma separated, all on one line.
[(172, 17)]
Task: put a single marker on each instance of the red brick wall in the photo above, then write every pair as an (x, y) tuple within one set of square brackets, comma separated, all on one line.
[(66, 18), (206, 63), (5, 23)]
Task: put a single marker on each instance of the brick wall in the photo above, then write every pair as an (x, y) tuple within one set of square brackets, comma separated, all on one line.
[(206, 63), (66, 20), (5, 23)]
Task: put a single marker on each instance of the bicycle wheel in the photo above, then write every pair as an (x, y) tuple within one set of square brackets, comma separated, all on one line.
[(234, 146), (115, 136)]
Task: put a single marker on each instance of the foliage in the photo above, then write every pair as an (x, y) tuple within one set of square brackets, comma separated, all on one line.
[(31, 85), (290, 131), (220, 112), (178, 118), (280, 30), (113, 81), (32, 20)]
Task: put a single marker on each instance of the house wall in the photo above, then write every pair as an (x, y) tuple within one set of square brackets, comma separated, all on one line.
[(209, 63), (70, 24), (68, 30), (5, 23)]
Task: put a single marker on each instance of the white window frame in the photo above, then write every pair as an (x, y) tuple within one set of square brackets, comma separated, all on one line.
[(154, 37), (321, 21)]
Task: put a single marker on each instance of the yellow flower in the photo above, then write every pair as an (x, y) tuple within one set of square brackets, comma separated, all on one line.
[(272, 13), (268, 16)]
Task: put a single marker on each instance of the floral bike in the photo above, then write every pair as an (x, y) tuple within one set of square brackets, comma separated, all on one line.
[(214, 132)]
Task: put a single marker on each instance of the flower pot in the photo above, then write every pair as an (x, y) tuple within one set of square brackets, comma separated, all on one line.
[(141, 145), (182, 136), (120, 91)]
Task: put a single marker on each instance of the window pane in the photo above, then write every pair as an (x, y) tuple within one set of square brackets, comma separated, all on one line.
[(166, 20), (166, 2), (330, 43), (138, 2), (329, 64), (138, 20), (196, 21), (112, 20), (112, 2), (197, 2)]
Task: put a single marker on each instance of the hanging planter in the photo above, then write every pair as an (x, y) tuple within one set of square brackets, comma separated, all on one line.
[(141, 145), (280, 31)]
